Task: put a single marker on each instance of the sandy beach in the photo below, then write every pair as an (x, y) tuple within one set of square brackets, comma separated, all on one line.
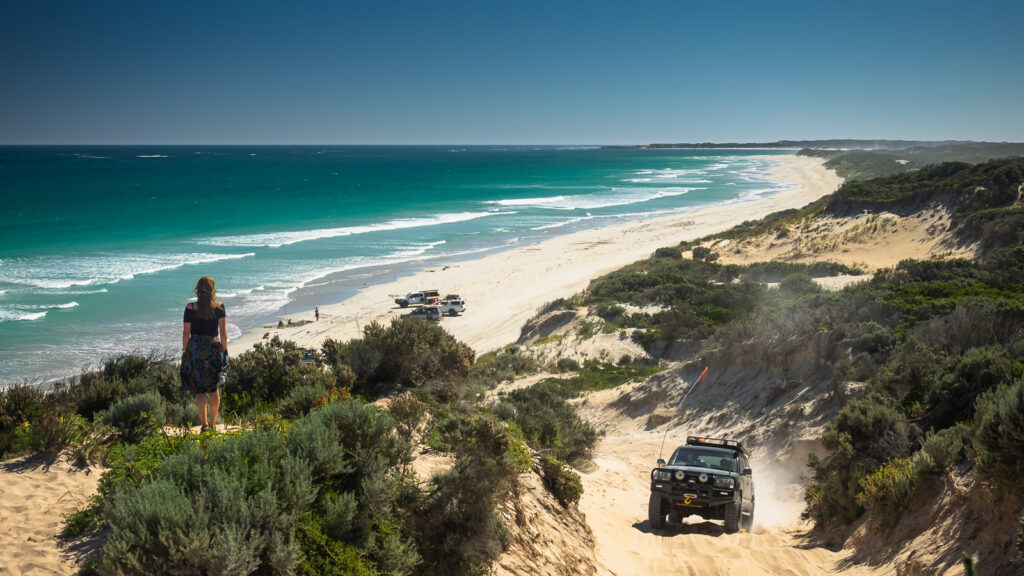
[(505, 289)]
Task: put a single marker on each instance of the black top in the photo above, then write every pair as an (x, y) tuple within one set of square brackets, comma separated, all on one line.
[(204, 326)]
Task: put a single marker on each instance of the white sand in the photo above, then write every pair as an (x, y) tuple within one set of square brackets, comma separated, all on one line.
[(505, 289)]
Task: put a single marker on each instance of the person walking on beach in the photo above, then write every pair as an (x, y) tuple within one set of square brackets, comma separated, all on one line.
[(203, 356), (316, 312)]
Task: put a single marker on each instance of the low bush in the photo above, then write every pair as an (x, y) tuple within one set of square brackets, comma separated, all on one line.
[(548, 421), (303, 399), (19, 404), (408, 413), (264, 375), (415, 352), (887, 491), (997, 436), (562, 481), (944, 448), (136, 416), (319, 497), (54, 429), (503, 365), (567, 364), (461, 527)]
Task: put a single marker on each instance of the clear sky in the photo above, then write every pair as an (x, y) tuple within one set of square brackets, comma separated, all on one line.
[(485, 72)]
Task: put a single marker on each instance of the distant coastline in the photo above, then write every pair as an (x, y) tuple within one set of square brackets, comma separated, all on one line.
[(841, 144)]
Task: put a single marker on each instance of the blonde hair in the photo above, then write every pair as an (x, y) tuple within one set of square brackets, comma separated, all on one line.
[(206, 290)]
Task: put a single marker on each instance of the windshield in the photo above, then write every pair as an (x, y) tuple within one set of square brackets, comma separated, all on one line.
[(704, 458)]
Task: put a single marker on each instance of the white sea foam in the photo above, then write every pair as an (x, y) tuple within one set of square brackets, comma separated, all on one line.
[(151, 156), (9, 315), (63, 272), (562, 223), (78, 292), (278, 239), (614, 197)]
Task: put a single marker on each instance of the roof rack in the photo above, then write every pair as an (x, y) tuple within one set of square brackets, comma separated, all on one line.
[(717, 443)]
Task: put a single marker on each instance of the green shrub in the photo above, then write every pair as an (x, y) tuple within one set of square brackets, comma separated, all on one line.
[(506, 364), (94, 443), (549, 422), (317, 497), (945, 448), (998, 433), (799, 283), (156, 529), (668, 252), (414, 351), (19, 403), (303, 399), (831, 496), (562, 481), (136, 416), (326, 556), (587, 330), (264, 375), (408, 413), (567, 365), (461, 526), (52, 430), (888, 490)]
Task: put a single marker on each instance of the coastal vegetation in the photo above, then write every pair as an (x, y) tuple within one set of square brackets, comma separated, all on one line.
[(933, 346), (316, 475)]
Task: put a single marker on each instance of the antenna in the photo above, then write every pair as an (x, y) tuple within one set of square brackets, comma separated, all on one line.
[(680, 405)]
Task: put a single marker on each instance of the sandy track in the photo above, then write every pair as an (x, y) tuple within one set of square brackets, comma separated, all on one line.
[(615, 503)]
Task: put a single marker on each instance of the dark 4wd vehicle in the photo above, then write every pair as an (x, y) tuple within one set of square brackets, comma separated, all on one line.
[(432, 313), (709, 477)]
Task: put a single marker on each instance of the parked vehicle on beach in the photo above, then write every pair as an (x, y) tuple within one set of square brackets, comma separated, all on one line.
[(452, 305), (432, 313), (417, 298), (708, 477)]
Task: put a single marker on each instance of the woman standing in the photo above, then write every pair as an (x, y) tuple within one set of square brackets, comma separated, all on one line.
[(203, 356)]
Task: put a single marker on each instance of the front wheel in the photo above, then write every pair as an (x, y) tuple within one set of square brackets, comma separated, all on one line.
[(452, 312), (732, 516), (656, 512)]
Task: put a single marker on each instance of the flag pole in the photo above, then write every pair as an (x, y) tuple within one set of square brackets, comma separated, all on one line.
[(680, 405)]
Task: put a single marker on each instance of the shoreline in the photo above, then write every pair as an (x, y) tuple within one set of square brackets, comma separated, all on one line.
[(504, 289)]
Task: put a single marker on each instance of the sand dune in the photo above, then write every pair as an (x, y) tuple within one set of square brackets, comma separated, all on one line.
[(35, 495)]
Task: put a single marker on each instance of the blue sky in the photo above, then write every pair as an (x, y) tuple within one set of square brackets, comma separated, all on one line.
[(594, 72)]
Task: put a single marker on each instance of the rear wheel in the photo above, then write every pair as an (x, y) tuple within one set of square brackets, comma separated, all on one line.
[(452, 312), (747, 522), (656, 512), (732, 517)]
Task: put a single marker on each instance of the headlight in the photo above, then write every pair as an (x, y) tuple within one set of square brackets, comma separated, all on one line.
[(724, 482), (662, 475), (680, 474)]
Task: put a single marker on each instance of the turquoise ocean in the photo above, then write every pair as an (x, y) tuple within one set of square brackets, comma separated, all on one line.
[(100, 246)]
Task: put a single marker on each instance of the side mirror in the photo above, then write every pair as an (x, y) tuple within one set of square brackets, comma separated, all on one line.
[(661, 461), (748, 472)]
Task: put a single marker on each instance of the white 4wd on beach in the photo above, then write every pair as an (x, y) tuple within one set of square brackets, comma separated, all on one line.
[(415, 298), (452, 306)]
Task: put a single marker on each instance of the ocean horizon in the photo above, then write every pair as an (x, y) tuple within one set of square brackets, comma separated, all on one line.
[(100, 246)]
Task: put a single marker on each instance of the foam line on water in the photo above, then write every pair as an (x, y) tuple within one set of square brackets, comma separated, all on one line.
[(278, 239)]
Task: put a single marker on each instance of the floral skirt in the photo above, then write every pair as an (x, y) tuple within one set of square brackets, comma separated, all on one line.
[(201, 364)]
